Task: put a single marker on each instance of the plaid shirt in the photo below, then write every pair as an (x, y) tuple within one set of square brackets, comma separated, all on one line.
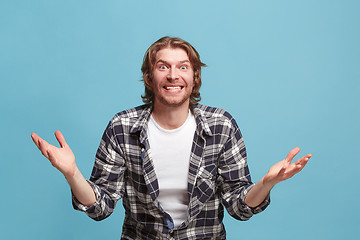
[(218, 177)]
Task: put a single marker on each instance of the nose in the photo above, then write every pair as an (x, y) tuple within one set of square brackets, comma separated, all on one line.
[(173, 75)]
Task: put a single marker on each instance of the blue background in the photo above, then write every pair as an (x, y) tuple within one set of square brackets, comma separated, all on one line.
[(288, 71)]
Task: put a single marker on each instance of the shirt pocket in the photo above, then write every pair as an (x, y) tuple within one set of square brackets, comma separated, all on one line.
[(205, 181)]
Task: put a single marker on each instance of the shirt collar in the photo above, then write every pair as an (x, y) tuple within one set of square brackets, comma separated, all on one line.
[(201, 119), (143, 116), (197, 109)]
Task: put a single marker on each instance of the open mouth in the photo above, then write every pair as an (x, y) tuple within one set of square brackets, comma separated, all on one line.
[(173, 88)]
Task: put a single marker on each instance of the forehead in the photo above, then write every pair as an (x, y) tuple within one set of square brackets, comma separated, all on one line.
[(172, 55)]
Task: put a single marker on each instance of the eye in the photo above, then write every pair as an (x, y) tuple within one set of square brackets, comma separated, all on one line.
[(183, 67), (163, 67)]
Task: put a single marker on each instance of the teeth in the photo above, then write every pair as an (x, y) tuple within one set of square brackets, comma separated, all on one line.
[(173, 88)]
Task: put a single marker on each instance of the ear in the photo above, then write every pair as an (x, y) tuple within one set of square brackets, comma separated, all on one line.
[(147, 80)]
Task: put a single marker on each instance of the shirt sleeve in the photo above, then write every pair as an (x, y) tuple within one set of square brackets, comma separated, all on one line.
[(235, 177), (107, 178)]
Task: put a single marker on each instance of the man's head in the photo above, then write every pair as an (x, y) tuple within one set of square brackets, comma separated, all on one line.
[(149, 62)]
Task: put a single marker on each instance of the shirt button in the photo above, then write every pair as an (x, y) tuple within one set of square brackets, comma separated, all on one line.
[(201, 170)]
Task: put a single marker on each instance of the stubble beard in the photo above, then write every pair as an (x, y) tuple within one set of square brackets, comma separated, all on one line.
[(169, 102)]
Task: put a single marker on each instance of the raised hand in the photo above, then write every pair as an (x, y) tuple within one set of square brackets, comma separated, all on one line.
[(61, 158), (284, 169), (279, 172), (64, 160)]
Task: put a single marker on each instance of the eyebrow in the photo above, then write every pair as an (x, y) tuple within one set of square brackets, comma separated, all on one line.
[(180, 62)]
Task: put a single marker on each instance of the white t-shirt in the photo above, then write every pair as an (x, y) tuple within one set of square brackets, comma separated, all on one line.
[(170, 151)]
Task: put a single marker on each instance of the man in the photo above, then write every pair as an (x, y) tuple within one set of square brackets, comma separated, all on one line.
[(175, 163)]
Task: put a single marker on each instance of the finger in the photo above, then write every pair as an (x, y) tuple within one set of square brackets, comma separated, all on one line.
[(35, 139), (297, 167), (60, 138), (44, 147), (303, 161), (292, 154), (294, 169), (51, 157)]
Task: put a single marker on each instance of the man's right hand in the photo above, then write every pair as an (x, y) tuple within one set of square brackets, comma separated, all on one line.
[(62, 158)]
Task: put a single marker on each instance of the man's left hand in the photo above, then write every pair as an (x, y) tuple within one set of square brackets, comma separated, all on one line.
[(284, 169)]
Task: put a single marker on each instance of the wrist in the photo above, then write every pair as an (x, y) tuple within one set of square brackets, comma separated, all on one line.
[(268, 183), (72, 175)]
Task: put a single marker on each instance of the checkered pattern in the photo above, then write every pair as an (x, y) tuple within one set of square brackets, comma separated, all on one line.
[(218, 177)]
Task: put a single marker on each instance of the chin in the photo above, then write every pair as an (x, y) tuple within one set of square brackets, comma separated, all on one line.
[(174, 102)]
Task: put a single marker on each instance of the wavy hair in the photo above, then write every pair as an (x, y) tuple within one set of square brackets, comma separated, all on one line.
[(150, 58)]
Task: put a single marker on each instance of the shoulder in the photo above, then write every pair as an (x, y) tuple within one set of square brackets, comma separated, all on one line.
[(131, 120), (213, 119), (132, 113), (208, 112)]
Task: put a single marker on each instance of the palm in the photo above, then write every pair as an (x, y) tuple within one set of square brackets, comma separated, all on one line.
[(61, 158), (285, 169)]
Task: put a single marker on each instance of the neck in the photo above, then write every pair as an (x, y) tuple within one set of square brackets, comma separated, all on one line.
[(170, 117)]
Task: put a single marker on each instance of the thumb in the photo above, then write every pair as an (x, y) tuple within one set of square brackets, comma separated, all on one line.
[(292, 154), (60, 138)]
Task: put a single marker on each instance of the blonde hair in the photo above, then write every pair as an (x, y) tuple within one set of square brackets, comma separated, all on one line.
[(150, 58)]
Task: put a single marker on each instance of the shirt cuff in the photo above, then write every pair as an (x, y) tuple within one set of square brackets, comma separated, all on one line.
[(88, 209), (262, 206)]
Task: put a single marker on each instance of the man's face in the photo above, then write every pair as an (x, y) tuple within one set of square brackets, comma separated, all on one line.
[(172, 78)]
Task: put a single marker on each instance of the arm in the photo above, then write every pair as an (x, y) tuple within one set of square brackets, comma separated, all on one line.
[(64, 160), (234, 175), (107, 177), (281, 171)]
